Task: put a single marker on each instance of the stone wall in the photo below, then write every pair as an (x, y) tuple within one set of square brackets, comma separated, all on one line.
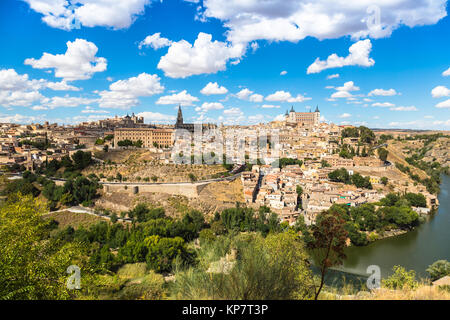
[(190, 190)]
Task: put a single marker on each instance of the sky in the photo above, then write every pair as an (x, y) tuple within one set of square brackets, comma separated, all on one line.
[(382, 64)]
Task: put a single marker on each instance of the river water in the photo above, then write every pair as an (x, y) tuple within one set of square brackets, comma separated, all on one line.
[(415, 250)]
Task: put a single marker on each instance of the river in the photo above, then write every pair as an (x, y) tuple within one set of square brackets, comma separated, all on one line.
[(415, 250)]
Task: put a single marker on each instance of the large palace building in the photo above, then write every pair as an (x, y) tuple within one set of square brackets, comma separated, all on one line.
[(307, 119), (148, 136)]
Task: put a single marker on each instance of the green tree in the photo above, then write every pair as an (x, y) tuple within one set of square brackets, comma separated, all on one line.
[(439, 269), (31, 266), (416, 199), (384, 180), (382, 154), (329, 241), (401, 279)]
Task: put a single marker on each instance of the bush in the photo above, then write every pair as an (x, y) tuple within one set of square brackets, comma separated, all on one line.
[(401, 279), (261, 268), (439, 269)]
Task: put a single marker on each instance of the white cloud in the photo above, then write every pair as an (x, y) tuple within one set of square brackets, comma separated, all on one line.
[(280, 117), (382, 92), (254, 46), (39, 108), (156, 117), (62, 14), (281, 20), (345, 115), (205, 56), (11, 80), (440, 91), (19, 90), (89, 109), (244, 94), (270, 106), (282, 73), (446, 73), (233, 112), (358, 56), (207, 106), (383, 104), (341, 94), (286, 97), (333, 76), (62, 86), (344, 91), (256, 97), (183, 98), (279, 96), (411, 108), (19, 118), (213, 88), (441, 122), (66, 101), (155, 41), (443, 104), (348, 86), (123, 94), (78, 63)]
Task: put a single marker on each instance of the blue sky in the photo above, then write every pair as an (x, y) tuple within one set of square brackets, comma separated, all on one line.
[(226, 61)]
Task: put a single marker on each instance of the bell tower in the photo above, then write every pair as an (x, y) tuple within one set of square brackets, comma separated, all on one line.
[(179, 116)]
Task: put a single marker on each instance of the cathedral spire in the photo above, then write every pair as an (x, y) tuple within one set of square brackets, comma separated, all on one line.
[(180, 115), (317, 109)]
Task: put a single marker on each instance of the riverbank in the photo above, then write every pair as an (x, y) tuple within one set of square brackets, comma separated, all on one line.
[(415, 250)]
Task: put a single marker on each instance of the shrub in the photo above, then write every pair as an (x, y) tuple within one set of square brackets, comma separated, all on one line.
[(401, 279)]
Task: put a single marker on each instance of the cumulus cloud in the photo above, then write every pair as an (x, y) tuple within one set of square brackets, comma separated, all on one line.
[(66, 101), (207, 106), (205, 56), (344, 91), (345, 115), (124, 94), (62, 86), (256, 97), (443, 104), (19, 90), (183, 98), (213, 88), (90, 110), (411, 108), (270, 106), (156, 117), (383, 104), (155, 41), (446, 73), (244, 94), (233, 112), (440, 91), (358, 56), (286, 97), (62, 14), (280, 117), (78, 63), (382, 92), (333, 76), (281, 20), (282, 73)]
